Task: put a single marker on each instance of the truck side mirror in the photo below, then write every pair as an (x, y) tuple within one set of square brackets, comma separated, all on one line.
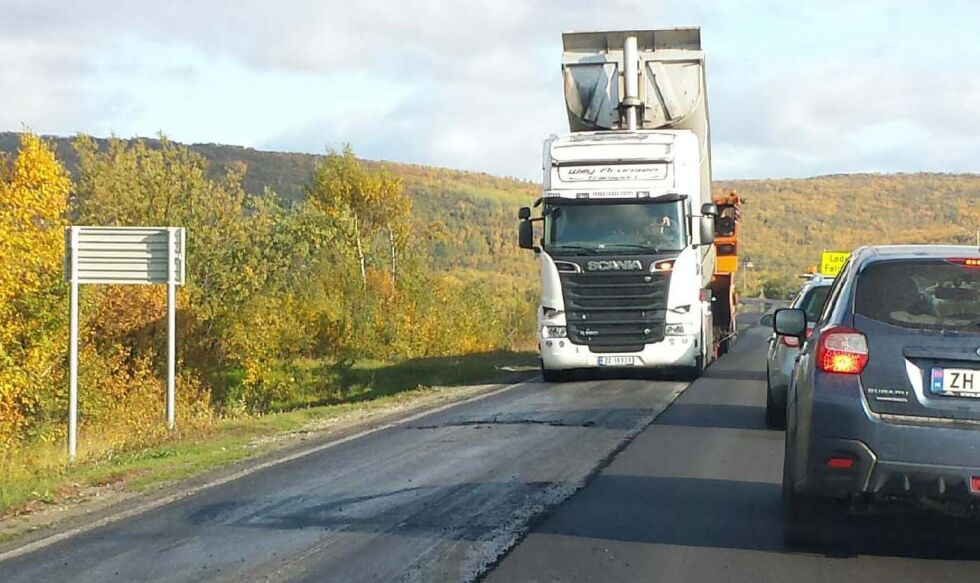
[(525, 235), (524, 213), (709, 209), (707, 229)]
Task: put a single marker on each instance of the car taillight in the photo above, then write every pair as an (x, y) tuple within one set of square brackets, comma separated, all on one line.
[(842, 350), (793, 341), (965, 261)]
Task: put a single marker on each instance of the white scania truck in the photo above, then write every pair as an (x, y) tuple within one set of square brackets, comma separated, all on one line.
[(625, 224)]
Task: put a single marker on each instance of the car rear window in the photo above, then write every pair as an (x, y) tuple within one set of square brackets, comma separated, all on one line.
[(813, 301), (928, 294)]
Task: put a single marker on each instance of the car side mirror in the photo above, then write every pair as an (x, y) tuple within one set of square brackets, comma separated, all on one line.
[(766, 321), (789, 322), (524, 213), (706, 228), (709, 209), (525, 235)]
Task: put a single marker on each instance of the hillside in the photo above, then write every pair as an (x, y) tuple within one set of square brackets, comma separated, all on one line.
[(787, 222), (475, 212)]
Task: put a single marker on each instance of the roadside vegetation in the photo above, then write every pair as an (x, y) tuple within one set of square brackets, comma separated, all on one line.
[(326, 301), (315, 281)]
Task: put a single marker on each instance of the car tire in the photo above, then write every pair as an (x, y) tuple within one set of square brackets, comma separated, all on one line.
[(775, 415), (807, 520), (810, 521)]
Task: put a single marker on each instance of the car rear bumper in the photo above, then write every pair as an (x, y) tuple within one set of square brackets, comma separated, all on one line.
[(884, 478), (890, 458)]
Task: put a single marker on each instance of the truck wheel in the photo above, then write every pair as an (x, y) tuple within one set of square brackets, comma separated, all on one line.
[(693, 373), (553, 376)]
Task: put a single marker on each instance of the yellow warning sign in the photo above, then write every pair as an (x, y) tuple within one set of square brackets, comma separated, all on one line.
[(832, 261)]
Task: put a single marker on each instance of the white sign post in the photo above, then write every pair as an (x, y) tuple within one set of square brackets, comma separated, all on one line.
[(123, 255)]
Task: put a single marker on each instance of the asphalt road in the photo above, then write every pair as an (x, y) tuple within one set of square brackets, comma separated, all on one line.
[(696, 497), (437, 499), (690, 495)]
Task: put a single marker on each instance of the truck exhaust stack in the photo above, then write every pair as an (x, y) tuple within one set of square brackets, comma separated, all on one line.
[(631, 101)]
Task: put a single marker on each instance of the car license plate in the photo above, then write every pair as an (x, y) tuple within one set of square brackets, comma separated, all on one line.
[(956, 381), (616, 361)]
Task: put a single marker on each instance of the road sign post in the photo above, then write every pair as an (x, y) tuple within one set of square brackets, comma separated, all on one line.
[(123, 255), (72, 248)]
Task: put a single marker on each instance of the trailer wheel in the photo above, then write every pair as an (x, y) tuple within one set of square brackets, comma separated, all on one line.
[(725, 346)]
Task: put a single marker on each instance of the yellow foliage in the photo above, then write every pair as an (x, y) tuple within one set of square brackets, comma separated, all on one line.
[(33, 201), (34, 191)]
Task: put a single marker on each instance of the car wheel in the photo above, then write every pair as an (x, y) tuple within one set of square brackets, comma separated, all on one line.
[(807, 520), (775, 415)]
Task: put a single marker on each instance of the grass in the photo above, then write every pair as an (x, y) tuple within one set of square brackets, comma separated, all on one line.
[(315, 383), (40, 477)]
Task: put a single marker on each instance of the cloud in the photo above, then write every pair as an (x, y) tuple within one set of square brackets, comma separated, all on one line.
[(794, 88), (855, 116), (42, 84)]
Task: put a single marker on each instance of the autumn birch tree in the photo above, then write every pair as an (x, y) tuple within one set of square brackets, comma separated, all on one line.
[(362, 203), (34, 191)]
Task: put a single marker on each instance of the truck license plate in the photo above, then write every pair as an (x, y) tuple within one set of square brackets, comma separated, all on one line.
[(962, 382), (616, 361)]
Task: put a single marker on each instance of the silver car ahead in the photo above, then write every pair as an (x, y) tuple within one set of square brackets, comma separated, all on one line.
[(783, 350), (884, 404)]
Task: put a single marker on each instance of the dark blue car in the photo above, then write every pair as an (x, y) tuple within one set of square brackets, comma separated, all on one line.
[(884, 403)]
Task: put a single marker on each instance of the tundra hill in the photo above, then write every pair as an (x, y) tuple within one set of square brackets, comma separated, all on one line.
[(472, 214), (787, 222)]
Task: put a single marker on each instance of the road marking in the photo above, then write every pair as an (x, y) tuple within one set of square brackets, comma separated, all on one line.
[(154, 504)]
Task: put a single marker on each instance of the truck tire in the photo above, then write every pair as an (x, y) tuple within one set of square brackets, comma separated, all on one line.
[(693, 373), (553, 376)]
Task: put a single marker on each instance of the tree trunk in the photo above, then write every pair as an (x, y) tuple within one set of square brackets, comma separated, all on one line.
[(360, 252), (393, 250)]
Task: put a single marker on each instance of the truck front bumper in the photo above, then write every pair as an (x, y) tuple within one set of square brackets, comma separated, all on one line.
[(673, 351)]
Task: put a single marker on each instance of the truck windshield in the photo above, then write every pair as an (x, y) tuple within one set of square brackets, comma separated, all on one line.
[(596, 228)]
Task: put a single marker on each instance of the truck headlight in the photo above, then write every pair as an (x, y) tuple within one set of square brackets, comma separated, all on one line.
[(676, 330), (554, 332)]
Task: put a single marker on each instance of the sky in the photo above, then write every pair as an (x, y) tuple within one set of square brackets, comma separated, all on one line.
[(796, 88)]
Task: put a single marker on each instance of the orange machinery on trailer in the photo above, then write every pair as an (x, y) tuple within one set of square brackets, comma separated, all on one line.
[(724, 301)]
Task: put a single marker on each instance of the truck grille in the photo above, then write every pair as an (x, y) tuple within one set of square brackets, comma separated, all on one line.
[(615, 312)]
